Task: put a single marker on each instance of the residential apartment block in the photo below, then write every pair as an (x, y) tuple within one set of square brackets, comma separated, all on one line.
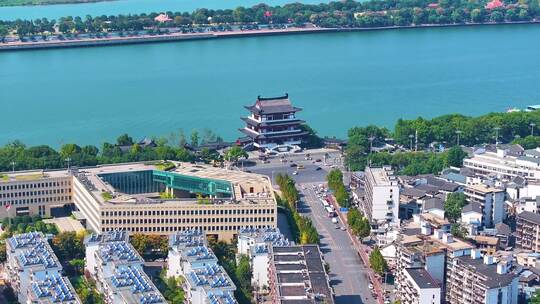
[(419, 288), (118, 270), (381, 200), (192, 259), (34, 272), (491, 202), (256, 243), (297, 275), (528, 231), (476, 280)]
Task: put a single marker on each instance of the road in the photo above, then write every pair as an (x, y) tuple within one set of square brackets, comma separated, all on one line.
[(348, 276)]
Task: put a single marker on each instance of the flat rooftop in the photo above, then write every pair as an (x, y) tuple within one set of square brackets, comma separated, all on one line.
[(381, 176), (296, 265), (422, 278), (483, 188), (238, 186), (31, 175), (134, 286), (54, 289)]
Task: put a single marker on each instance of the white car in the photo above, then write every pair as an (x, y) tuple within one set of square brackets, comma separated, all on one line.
[(295, 173)]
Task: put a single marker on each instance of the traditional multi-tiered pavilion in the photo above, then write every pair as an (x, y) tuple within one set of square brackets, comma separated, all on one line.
[(273, 123)]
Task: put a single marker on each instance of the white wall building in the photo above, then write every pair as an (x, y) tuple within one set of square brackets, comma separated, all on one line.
[(491, 201), (118, 271), (190, 258), (381, 202), (33, 269), (419, 288), (255, 244)]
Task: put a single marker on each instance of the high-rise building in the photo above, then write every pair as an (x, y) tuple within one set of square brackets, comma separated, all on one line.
[(381, 200), (272, 122)]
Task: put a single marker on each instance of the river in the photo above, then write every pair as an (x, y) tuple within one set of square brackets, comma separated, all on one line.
[(127, 7), (88, 95)]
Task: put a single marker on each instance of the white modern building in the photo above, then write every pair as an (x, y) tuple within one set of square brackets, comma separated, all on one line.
[(506, 166), (419, 288), (381, 202), (118, 271), (130, 197), (491, 201), (255, 243), (206, 282), (34, 272)]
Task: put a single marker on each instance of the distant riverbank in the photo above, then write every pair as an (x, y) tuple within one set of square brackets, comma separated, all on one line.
[(9, 3), (171, 37)]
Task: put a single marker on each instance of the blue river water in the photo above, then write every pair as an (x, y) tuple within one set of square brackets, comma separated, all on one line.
[(88, 95)]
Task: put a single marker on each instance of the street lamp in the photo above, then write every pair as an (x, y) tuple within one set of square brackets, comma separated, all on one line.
[(532, 124), (371, 138), (68, 161), (458, 132), (410, 138), (496, 135), (13, 166)]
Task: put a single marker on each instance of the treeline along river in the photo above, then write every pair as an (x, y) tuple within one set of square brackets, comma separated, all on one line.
[(127, 7), (90, 95)]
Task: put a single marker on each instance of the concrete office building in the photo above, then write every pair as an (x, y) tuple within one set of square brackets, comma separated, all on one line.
[(117, 269), (127, 196), (419, 288), (34, 272), (34, 193), (381, 201), (504, 165), (491, 201), (297, 275)]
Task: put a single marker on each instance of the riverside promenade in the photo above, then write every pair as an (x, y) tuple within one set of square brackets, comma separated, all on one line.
[(178, 36)]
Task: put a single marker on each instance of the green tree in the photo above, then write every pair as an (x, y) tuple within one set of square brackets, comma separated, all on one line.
[(243, 272), (455, 156), (535, 298), (454, 205), (69, 245), (194, 138), (235, 153), (124, 140), (458, 231), (3, 255), (377, 261)]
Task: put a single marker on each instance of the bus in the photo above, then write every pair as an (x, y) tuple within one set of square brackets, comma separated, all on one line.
[(330, 211)]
